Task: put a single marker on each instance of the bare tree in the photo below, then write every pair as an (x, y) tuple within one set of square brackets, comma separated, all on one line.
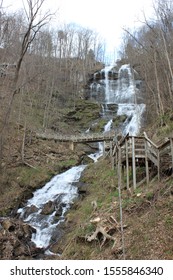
[(34, 23), (150, 47)]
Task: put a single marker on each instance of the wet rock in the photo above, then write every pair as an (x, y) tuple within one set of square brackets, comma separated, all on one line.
[(15, 239), (58, 200), (112, 107), (119, 119), (87, 160), (29, 210), (6, 224), (59, 211), (82, 189), (63, 205), (48, 208)]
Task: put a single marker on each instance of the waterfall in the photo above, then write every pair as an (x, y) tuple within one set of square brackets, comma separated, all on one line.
[(57, 196), (98, 154), (106, 71), (123, 92), (127, 96), (45, 211), (134, 114), (107, 127)]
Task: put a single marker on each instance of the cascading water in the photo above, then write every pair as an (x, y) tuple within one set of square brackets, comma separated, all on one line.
[(123, 92), (127, 97), (59, 194), (106, 70), (98, 154), (46, 210)]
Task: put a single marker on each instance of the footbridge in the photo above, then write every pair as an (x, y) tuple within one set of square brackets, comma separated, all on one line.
[(78, 138), (129, 154)]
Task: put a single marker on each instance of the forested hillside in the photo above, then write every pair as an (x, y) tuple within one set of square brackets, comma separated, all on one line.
[(149, 51), (42, 69), (44, 74)]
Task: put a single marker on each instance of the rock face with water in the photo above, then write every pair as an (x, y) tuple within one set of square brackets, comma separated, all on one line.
[(119, 97), (49, 206)]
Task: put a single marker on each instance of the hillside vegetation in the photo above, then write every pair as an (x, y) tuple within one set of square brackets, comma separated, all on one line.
[(43, 77)]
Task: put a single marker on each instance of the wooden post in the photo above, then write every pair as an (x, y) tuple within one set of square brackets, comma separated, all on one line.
[(72, 146), (103, 148), (146, 162), (171, 143), (127, 163), (110, 147), (158, 164), (119, 168), (120, 199), (111, 154), (133, 162), (116, 160)]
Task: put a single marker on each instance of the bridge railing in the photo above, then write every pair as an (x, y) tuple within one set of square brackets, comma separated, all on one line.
[(132, 149), (77, 137)]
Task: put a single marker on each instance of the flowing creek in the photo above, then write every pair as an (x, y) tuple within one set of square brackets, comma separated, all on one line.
[(58, 195)]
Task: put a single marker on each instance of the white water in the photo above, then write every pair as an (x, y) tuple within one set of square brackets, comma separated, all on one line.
[(61, 190), (134, 113), (126, 97), (98, 154), (107, 83), (125, 94)]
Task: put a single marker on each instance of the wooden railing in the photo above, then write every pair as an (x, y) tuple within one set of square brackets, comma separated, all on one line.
[(128, 152), (78, 138), (131, 151)]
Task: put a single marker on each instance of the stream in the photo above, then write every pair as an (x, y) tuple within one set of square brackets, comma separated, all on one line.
[(45, 211)]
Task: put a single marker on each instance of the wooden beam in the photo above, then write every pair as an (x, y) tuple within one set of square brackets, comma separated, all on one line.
[(158, 165), (111, 154), (133, 163), (127, 163), (72, 146), (119, 168), (171, 143), (146, 162)]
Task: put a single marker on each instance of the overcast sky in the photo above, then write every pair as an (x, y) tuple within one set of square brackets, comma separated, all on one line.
[(104, 16)]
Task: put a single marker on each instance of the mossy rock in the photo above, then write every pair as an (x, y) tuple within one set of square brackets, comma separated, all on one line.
[(98, 126), (83, 115), (119, 119)]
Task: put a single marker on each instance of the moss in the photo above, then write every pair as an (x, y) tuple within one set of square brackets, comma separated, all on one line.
[(150, 195), (83, 115), (64, 165), (168, 221), (119, 119), (99, 126), (33, 177)]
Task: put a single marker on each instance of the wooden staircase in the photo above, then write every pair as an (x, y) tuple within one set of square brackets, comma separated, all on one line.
[(131, 152)]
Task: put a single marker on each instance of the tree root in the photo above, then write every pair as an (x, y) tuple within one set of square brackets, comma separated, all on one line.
[(105, 236), (104, 230)]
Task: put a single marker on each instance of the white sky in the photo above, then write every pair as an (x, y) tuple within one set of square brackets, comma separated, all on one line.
[(104, 16)]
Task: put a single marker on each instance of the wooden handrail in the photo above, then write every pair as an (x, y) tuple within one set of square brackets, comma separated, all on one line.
[(151, 142), (77, 138)]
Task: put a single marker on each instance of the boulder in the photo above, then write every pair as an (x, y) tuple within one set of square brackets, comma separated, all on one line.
[(48, 208), (59, 212), (15, 240), (29, 210)]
